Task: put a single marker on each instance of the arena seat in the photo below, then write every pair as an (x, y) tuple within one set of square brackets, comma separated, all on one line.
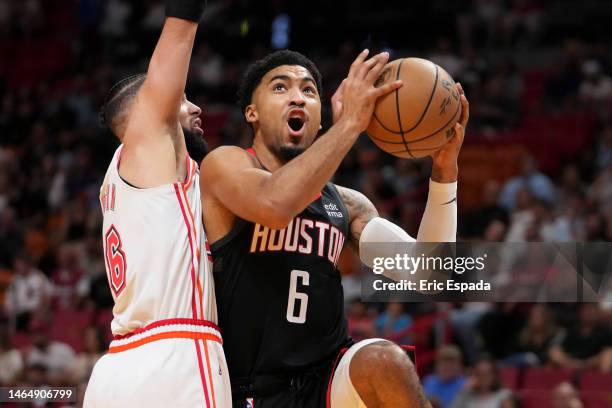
[(481, 163), (536, 398), (103, 323), (422, 335), (68, 326), (595, 381), (597, 399), (540, 378), (510, 377)]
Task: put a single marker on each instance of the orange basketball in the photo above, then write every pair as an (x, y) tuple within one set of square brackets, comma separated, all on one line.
[(418, 118)]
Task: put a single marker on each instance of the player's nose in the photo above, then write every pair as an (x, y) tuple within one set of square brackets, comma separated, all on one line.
[(297, 98), (195, 110)]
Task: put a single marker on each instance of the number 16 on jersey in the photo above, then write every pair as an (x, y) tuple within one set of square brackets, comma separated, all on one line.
[(295, 296)]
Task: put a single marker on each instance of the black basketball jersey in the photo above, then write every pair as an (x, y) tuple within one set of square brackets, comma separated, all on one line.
[(279, 293)]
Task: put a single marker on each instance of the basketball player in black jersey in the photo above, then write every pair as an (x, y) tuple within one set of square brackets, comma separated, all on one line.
[(277, 227)]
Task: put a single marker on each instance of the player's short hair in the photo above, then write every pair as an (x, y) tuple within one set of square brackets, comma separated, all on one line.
[(119, 98), (256, 71)]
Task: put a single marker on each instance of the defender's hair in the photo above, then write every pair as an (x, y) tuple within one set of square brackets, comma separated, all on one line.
[(119, 98)]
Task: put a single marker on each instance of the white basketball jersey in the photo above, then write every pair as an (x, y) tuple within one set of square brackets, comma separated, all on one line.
[(157, 257)]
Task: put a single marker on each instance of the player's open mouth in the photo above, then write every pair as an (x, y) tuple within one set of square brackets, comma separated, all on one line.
[(296, 122)]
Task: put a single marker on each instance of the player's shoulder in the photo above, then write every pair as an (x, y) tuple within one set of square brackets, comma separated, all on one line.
[(228, 155), (226, 158)]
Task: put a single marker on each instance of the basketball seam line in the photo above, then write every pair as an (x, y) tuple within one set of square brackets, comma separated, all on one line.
[(397, 109), (433, 91), (424, 137)]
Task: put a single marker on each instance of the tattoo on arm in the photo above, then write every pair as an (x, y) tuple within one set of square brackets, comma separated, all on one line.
[(361, 211)]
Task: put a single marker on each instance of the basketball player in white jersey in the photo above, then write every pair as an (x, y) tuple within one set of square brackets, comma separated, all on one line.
[(167, 349)]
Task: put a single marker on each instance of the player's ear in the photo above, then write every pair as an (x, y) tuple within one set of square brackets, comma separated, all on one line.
[(250, 113)]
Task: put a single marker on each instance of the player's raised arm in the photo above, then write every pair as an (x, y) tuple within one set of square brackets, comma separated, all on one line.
[(164, 87), (273, 198), (149, 129)]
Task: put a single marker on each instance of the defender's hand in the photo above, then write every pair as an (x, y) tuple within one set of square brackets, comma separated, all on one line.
[(354, 101), (445, 169)]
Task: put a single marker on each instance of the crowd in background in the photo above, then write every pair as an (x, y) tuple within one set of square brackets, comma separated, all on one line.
[(536, 166)]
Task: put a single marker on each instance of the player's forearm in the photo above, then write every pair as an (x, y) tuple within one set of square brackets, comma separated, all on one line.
[(167, 72), (294, 185), (439, 222)]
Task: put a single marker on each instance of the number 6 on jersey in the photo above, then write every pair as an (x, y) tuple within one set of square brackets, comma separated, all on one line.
[(294, 296), (115, 260)]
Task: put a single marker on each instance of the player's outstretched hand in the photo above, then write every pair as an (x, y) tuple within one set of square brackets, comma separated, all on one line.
[(355, 98), (445, 169)]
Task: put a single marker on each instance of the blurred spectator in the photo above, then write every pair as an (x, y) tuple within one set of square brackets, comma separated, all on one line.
[(29, 292), (601, 191), (595, 227), (360, 320), (67, 276), (569, 225), (483, 389), (208, 68), (571, 184), (597, 86), (56, 357), (565, 395), (512, 401), (448, 379), (11, 236), (476, 222), (586, 345), (11, 361), (116, 15), (531, 179), (498, 327), (535, 339), (444, 57), (497, 107), (85, 360), (393, 321), (604, 151), (522, 218), (465, 319)]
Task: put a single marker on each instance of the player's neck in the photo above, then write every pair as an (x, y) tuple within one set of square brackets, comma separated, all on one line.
[(266, 157)]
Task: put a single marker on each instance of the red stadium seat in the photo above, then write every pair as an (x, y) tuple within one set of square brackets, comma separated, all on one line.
[(596, 399), (537, 378), (20, 340), (536, 398), (595, 381), (510, 377), (103, 323), (68, 326)]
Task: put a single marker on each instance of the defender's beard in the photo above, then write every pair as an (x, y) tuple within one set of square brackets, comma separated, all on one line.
[(197, 147)]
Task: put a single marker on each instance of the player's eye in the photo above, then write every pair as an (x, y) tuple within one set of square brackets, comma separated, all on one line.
[(310, 90), (279, 87)]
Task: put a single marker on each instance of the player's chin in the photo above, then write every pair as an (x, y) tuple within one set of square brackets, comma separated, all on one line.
[(291, 150)]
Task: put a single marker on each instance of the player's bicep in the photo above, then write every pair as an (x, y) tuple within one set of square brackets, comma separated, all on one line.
[(229, 175)]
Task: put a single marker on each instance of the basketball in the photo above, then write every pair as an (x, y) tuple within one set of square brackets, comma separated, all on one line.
[(419, 118)]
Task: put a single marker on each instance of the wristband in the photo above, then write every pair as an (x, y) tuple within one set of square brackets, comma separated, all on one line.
[(185, 9)]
